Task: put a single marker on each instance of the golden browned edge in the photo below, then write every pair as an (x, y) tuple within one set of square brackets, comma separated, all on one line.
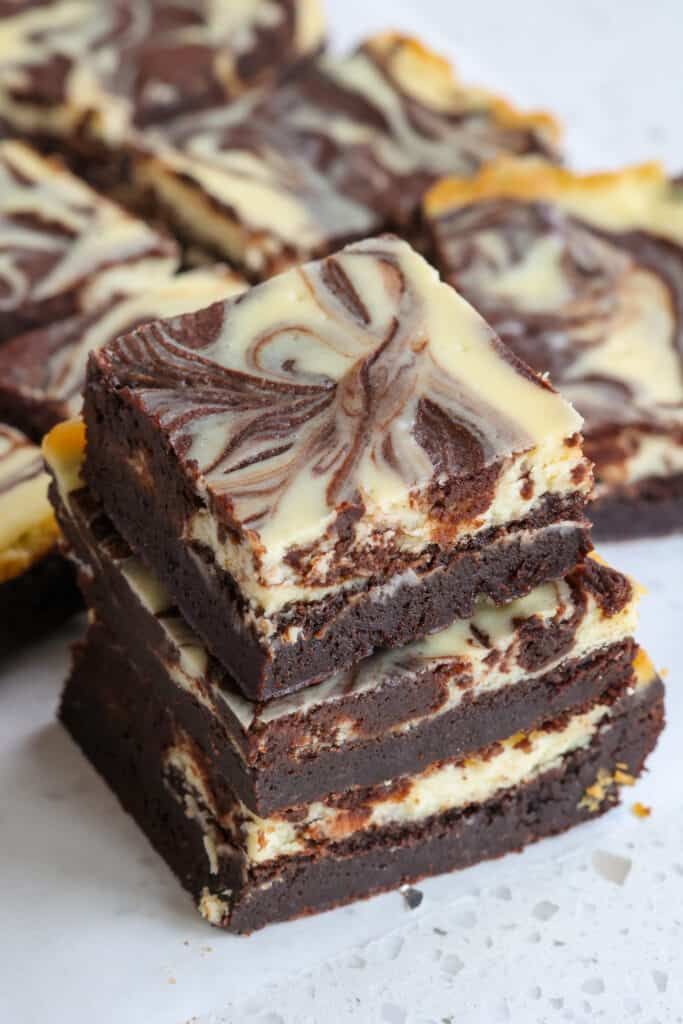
[(66, 442), (410, 60), (532, 178)]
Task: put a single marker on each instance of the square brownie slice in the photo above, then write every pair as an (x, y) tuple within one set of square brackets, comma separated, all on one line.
[(337, 460), (343, 151), (244, 871), (582, 276)]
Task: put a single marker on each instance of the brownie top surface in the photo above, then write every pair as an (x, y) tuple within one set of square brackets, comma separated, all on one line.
[(352, 384), (581, 275), (132, 62), (57, 236), (353, 142), (48, 364), (27, 524)]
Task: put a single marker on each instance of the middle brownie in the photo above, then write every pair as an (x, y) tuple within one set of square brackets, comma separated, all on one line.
[(342, 459), (466, 687)]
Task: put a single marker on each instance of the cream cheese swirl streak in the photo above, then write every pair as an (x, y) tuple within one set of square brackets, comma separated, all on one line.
[(104, 66), (63, 247), (349, 401), (583, 278)]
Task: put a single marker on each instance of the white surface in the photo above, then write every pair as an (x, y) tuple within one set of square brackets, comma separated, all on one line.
[(94, 929)]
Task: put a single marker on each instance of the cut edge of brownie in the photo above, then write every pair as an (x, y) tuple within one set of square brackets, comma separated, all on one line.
[(583, 785)]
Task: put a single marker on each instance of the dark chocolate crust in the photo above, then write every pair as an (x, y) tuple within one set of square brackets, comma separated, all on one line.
[(651, 508), (151, 510), (125, 739), (37, 601)]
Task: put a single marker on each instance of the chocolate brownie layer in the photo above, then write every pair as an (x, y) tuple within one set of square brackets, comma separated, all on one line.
[(37, 601), (653, 507), (64, 248), (340, 459), (585, 283), (461, 688), (133, 745)]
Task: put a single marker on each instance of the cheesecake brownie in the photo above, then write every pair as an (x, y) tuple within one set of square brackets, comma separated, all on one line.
[(37, 585), (582, 276), (340, 459), (469, 685), (63, 248), (42, 372), (343, 151), (245, 871), (84, 71)]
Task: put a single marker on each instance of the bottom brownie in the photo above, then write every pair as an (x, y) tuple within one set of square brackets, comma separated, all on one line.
[(652, 508), (36, 601), (241, 890)]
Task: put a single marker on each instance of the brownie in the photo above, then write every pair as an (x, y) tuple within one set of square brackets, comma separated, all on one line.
[(340, 459), (582, 276), (344, 150), (244, 872), (463, 688), (65, 249), (82, 70), (42, 372), (37, 584)]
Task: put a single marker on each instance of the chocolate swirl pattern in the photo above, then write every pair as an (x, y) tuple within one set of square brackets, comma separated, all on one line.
[(111, 64), (42, 372), (583, 278), (62, 247), (343, 151), (342, 400)]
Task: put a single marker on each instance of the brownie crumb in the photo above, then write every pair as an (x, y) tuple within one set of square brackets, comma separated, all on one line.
[(413, 897)]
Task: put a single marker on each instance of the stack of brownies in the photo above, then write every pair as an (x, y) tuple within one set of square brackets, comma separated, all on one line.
[(346, 630)]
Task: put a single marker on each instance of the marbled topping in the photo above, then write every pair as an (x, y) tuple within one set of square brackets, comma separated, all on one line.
[(344, 150), (58, 238), (48, 365), (27, 524), (109, 64), (583, 278), (357, 402)]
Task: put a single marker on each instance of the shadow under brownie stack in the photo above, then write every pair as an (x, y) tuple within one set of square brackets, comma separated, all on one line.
[(346, 627)]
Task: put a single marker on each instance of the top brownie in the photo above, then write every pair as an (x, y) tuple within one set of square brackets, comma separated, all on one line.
[(583, 277), (329, 432), (100, 67), (344, 150), (63, 248)]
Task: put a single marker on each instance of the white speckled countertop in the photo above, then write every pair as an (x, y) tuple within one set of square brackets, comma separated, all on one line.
[(587, 927)]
